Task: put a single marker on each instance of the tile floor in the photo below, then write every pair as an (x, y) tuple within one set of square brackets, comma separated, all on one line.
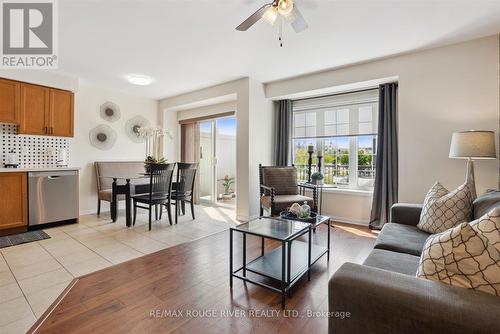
[(33, 275)]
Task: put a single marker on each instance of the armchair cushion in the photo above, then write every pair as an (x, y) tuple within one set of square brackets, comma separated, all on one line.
[(402, 238), (282, 179), (282, 202)]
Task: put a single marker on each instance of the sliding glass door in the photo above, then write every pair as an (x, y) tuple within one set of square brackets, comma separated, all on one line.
[(218, 161), (207, 161)]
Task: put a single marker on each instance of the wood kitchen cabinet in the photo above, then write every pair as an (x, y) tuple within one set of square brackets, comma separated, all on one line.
[(35, 110), (46, 111), (10, 101), (14, 207), (38, 110), (61, 113)]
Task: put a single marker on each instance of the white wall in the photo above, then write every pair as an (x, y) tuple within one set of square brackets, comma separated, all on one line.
[(441, 90), (171, 147), (206, 111), (87, 103), (42, 77), (347, 206), (261, 139)]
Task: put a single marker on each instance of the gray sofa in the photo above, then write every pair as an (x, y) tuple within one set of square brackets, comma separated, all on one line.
[(383, 295)]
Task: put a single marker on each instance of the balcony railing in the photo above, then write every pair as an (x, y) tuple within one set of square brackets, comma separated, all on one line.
[(336, 174)]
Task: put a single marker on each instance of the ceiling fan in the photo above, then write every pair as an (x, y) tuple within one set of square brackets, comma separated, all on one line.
[(270, 12)]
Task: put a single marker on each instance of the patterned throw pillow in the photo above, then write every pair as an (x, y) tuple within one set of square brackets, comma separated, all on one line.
[(488, 227), (459, 257), (443, 210)]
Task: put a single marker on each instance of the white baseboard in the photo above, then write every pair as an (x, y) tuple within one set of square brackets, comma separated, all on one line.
[(246, 218), (349, 221), (334, 218), (242, 218), (91, 212)]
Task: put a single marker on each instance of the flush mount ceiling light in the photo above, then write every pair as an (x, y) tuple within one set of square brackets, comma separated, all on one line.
[(140, 80), (285, 9)]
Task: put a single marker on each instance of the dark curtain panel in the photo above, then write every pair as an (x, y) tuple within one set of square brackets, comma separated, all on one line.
[(283, 133), (385, 193)]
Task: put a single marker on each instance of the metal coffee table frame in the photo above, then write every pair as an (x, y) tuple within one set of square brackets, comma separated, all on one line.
[(265, 265)]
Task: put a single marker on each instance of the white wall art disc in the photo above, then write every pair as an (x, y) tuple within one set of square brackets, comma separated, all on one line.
[(132, 128), (110, 112), (102, 137)]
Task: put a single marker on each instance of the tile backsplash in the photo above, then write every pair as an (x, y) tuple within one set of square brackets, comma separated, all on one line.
[(31, 151)]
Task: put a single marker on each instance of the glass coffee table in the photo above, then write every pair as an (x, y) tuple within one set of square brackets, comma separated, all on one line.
[(285, 264)]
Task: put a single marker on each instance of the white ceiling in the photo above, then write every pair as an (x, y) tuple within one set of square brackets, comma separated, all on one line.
[(186, 44)]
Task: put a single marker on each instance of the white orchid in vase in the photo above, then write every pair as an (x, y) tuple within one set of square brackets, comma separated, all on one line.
[(154, 138)]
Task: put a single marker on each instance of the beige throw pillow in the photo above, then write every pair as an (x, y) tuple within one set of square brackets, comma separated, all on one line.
[(443, 210), (461, 258), (488, 227)]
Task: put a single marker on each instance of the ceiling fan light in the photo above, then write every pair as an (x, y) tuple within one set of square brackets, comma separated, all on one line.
[(271, 15), (292, 16), (285, 7)]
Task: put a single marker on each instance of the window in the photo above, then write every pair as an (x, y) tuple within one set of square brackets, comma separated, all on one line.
[(344, 129)]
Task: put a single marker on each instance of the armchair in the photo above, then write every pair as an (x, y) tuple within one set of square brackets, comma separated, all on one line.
[(279, 189)]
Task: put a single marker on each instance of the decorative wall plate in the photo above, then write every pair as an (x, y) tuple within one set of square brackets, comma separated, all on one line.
[(132, 128), (110, 112), (102, 137)]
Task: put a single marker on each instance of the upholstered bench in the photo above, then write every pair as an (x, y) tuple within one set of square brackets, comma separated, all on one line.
[(105, 170)]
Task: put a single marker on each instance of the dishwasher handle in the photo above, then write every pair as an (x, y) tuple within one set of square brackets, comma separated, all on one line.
[(53, 173), (53, 177)]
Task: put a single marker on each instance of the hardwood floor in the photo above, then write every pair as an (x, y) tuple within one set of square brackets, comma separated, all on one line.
[(185, 289)]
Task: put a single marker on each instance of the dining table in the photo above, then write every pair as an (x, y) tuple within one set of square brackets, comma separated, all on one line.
[(129, 185)]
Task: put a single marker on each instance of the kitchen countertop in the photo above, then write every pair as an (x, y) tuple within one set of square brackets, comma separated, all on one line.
[(36, 169)]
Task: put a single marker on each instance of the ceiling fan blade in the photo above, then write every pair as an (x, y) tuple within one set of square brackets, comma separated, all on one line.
[(299, 24), (252, 19)]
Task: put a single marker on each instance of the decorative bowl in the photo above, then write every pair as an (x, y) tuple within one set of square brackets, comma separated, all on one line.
[(291, 216)]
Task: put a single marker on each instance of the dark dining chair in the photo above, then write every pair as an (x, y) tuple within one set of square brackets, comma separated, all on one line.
[(183, 189), (160, 188)]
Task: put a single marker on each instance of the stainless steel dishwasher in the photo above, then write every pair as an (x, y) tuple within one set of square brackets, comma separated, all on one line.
[(53, 197)]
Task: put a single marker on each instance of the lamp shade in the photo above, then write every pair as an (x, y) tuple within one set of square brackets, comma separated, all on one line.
[(473, 144)]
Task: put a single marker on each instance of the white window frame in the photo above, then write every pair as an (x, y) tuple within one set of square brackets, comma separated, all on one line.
[(320, 105)]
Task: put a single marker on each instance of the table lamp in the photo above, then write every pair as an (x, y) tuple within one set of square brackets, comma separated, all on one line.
[(472, 145)]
